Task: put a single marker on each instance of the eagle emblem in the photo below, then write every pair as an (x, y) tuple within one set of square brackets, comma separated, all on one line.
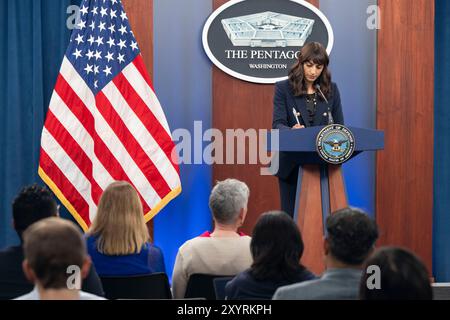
[(335, 144)]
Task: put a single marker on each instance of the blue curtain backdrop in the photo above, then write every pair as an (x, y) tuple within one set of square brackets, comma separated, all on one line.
[(33, 40), (441, 214)]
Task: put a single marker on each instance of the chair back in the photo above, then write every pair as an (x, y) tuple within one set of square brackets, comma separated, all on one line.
[(201, 286), (219, 287), (149, 286), (441, 291)]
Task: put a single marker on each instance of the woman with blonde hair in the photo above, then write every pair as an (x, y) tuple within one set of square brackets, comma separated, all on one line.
[(118, 239)]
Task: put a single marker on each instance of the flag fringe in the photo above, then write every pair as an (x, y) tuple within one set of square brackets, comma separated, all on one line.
[(148, 216), (49, 182)]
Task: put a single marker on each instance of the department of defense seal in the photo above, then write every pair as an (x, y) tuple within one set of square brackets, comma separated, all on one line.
[(335, 144)]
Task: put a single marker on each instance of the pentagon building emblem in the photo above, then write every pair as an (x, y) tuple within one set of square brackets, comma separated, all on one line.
[(259, 40), (268, 29)]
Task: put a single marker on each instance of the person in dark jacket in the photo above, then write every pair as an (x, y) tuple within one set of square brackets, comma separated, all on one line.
[(277, 248), (32, 204), (298, 103)]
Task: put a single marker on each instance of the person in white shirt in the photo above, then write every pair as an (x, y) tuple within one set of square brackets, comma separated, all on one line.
[(225, 251), (56, 261)]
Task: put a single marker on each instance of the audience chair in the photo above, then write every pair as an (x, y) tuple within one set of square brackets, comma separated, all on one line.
[(219, 287), (149, 286), (202, 286), (441, 291)]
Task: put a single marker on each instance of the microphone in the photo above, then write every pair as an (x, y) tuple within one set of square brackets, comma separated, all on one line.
[(330, 117)]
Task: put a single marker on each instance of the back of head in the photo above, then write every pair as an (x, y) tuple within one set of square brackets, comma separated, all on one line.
[(276, 247), (32, 204), (119, 224), (402, 276), (351, 235), (51, 246), (227, 199)]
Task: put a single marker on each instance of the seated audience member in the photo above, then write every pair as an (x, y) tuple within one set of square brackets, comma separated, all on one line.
[(276, 248), (32, 204), (118, 239), (225, 251), (402, 276), (54, 252), (350, 239)]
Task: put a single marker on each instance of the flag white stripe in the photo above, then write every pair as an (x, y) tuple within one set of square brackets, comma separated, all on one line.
[(135, 174), (71, 123), (141, 134), (108, 136), (146, 93), (78, 85), (70, 170)]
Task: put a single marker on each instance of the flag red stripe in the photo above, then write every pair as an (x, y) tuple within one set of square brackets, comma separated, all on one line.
[(110, 163), (133, 148), (75, 104), (147, 117), (66, 187), (104, 155), (140, 65), (74, 151)]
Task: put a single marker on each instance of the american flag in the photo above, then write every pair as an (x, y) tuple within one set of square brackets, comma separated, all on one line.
[(104, 121)]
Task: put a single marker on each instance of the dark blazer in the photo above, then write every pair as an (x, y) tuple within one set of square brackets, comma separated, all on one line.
[(245, 287), (13, 282), (283, 117)]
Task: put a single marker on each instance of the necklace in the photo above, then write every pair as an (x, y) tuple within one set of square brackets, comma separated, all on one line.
[(311, 98), (311, 106)]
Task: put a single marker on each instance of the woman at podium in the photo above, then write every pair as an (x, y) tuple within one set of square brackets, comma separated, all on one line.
[(307, 98)]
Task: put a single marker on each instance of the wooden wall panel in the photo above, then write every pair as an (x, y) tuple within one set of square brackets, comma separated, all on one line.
[(240, 104), (140, 16), (405, 90)]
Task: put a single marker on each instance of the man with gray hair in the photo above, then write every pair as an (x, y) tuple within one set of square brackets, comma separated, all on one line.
[(225, 251)]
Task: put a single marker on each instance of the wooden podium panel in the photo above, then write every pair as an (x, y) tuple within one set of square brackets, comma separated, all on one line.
[(314, 201), (309, 219), (338, 195)]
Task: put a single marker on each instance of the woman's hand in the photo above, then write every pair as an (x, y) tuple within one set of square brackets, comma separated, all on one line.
[(298, 126)]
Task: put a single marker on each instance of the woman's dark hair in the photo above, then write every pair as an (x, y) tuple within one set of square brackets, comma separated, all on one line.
[(403, 276), (316, 53), (276, 247)]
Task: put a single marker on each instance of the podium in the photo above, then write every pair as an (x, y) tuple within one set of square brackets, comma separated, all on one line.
[(320, 185)]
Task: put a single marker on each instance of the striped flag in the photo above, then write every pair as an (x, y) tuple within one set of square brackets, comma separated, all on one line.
[(104, 121)]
